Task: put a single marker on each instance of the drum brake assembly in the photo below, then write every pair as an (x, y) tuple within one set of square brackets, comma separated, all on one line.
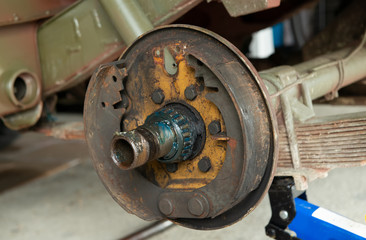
[(180, 128)]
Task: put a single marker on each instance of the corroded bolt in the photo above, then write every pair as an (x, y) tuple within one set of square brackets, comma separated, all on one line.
[(171, 167), (166, 206), (214, 127), (190, 92), (158, 96), (204, 165), (195, 206)]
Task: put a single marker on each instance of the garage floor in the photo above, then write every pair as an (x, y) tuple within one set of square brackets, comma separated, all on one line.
[(49, 190)]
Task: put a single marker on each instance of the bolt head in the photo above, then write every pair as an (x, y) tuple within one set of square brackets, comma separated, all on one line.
[(271, 232), (214, 127), (171, 167), (195, 206), (283, 214), (166, 206), (158, 96), (190, 92), (204, 165)]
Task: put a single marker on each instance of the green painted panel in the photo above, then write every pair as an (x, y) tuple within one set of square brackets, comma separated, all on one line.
[(72, 44)]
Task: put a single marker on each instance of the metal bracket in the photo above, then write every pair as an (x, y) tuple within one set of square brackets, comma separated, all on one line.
[(283, 209), (284, 80)]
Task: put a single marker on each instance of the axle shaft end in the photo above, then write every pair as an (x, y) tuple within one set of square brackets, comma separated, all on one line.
[(130, 149)]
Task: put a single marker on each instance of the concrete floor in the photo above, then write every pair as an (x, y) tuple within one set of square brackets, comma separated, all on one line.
[(67, 204), (71, 202)]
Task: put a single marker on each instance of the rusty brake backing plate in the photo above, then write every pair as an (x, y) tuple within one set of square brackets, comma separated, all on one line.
[(180, 128)]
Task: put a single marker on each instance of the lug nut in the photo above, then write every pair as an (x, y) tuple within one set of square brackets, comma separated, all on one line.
[(171, 167), (204, 165), (214, 127), (158, 96), (190, 92)]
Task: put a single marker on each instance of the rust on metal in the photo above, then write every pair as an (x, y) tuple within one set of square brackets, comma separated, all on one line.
[(67, 131), (175, 90), (327, 145), (242, 154), (324, 144), (19, 40)]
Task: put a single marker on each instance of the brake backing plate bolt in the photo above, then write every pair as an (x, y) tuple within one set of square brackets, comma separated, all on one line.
[(204, 165), (195, 206), (171, 167), (166, 206), (214, 127), (190, 92), (158, 96)]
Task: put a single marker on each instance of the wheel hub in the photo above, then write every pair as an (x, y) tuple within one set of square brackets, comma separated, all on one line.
[(169, 135)]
